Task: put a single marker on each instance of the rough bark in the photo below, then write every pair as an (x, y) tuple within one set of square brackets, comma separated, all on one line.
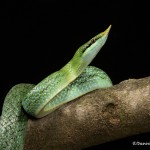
[(97, 117)]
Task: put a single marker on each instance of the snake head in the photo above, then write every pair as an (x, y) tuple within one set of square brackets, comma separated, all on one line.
[(86, 53)]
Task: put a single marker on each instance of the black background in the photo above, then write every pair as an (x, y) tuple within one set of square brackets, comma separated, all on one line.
[(39, 37)]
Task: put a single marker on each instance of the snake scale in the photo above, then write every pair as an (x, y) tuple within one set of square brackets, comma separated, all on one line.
[(71, 81)]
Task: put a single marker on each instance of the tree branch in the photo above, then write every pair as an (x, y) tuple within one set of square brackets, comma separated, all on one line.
[(97, 117)]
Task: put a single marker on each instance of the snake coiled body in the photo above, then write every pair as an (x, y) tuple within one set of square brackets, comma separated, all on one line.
[(73, 80)]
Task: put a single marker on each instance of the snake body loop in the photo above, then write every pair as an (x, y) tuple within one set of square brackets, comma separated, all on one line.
[(73, 80)]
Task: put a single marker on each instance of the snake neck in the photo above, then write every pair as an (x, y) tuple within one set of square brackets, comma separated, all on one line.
[(73, 69)]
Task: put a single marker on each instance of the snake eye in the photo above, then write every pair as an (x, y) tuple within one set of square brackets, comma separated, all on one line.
[(93, 40), (88, 45), (84, 50)]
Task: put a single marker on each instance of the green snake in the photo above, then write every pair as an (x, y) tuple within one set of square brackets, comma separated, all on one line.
[(76, 78)]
